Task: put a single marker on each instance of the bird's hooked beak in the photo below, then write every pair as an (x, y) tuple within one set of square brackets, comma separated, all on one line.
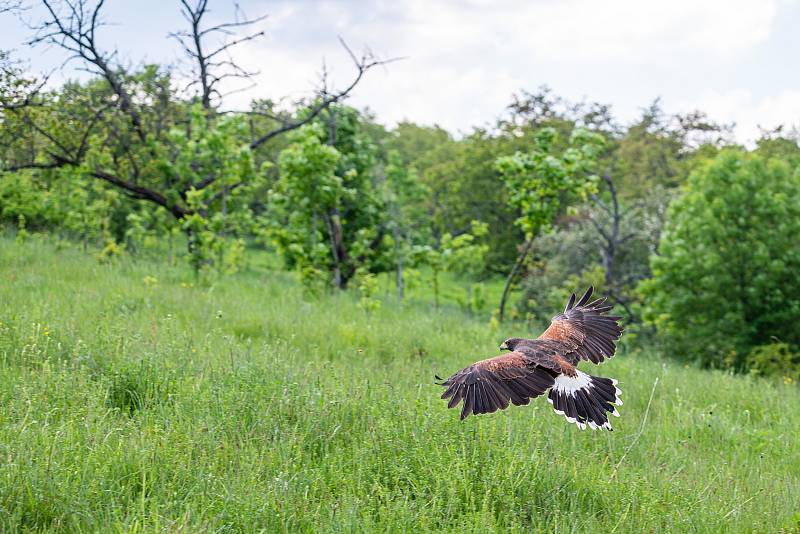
[(504, 346)]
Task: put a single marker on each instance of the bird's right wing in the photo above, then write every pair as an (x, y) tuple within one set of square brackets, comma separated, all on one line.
[(489, 385)]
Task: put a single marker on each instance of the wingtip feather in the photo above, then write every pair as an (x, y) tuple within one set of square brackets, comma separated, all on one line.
[(586, 296), (570, 303)]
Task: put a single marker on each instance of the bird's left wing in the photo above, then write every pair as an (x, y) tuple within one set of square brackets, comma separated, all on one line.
[(584, 330), (489, 385)]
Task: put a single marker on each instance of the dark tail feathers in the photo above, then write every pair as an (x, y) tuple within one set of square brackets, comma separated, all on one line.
[(585, 400)]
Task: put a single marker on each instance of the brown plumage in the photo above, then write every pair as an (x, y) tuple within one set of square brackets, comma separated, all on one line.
[(582, 332)]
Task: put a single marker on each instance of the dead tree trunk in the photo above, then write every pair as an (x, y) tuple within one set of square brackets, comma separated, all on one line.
[(511, 276)]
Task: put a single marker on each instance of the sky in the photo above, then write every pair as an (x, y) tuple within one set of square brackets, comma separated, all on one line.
[(463, 60)]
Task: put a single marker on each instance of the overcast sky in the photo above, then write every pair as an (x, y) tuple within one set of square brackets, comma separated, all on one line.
[(737, 60)]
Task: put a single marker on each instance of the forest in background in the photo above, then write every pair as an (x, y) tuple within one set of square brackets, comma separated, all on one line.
[(693, 236)]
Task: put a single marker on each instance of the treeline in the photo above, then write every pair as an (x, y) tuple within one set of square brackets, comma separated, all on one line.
[(694, 237)]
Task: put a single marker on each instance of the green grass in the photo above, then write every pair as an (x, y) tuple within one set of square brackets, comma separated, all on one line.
[(128, 406)]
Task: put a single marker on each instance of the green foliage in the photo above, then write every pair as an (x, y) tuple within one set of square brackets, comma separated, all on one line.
[(136, 174), (109, 252), (725, 278), (22, 232), (308, 189), (780, 145), (407, 222), (367, 290), (538, 180), (576, 247), (463, 184), (658, 151), (461, 254), (90, 208), (22, 196), (775, 360), (648, 155), (219, 215), (541, 180), (147, 230)]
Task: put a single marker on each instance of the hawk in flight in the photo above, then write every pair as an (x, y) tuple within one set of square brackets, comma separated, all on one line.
[(582, 332)]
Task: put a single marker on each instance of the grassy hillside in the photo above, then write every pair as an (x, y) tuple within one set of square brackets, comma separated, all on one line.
[(133, 400)]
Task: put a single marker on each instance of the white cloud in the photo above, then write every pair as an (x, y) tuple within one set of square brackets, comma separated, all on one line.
[(464, 60)]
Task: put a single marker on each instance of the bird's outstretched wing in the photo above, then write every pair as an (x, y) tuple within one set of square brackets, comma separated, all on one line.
[(585, 330), (489, 385)]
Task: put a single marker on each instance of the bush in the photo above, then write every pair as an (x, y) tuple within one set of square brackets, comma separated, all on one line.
[(777, 360), (725, 277)]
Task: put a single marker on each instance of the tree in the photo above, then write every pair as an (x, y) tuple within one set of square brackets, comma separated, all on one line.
[(540, 181), (725, 277), (464, 184), (326, 212), (123, 128), (625, 234), (780, 144), (413, 143)]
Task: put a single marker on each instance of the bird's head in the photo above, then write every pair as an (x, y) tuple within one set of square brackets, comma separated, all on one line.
[(510, 343)]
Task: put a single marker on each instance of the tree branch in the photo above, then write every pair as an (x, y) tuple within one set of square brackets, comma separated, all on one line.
[(193, 44), (364, 64), (73, 33)]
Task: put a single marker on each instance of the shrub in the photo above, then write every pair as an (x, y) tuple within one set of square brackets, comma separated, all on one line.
[(775, 359), (725, 276)]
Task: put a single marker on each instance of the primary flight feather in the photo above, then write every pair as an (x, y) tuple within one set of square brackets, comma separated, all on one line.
[(583, 332)]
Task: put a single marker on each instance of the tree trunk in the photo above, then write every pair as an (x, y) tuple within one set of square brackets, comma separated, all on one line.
[(341, 273), (337, 269), (222, 233), (511, 276), (436, 288), (398, 252), (400, 280)]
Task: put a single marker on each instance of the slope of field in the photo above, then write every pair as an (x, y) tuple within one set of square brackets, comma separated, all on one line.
[(132, 399)]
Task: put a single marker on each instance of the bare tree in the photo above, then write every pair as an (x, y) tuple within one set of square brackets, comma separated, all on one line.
[(213, 62), (617, 228), (72, 26)]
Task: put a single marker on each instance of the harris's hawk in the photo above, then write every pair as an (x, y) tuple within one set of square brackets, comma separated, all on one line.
[(534, 366)]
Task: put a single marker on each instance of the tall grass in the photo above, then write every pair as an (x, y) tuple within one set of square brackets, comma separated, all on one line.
[(133, 399)]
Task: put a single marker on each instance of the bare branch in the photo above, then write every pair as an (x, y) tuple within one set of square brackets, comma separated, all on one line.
[(34, 165), (196, 49), (224, 191), (325, 99), (225, 28), (11, 6), (74, 33)]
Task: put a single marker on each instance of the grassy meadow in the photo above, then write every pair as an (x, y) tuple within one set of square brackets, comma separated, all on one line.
[(133, 399)]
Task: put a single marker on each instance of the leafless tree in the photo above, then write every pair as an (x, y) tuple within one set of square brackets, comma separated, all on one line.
[(213, 62)]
